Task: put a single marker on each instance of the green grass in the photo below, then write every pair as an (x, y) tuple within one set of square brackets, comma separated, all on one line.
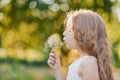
[(17, 71)]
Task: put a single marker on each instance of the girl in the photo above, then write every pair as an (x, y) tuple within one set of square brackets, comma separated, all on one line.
[(85, 32)]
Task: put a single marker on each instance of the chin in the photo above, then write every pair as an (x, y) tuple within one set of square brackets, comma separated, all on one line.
[(69, 47)]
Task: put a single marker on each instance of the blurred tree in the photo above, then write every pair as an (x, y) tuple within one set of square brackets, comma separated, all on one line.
[(0, 43), (28, 23)]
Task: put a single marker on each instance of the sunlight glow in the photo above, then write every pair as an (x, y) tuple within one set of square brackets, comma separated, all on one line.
[(112, 0), (48, 1), (63, 0), (118, 13), (1, 15), (55, 7), (4, 2), (33, 4), (64, 6)]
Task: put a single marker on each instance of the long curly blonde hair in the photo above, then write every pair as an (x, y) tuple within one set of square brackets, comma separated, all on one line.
[(90, 33)]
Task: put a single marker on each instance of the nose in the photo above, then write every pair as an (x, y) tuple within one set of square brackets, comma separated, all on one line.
[(64, 33)]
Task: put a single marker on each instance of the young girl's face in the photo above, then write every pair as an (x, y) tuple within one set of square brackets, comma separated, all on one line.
[(69, 38)]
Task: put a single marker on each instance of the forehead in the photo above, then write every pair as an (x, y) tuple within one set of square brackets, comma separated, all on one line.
[(69, 23)]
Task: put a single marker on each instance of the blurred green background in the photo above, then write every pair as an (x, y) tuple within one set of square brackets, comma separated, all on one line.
[(25, 25)]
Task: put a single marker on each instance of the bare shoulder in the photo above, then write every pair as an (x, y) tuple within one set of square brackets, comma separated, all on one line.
[(89, 63), (89, 68), (89, 60)]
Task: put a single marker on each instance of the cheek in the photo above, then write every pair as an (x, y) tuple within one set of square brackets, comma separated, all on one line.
[(69, 37), (71, 40)]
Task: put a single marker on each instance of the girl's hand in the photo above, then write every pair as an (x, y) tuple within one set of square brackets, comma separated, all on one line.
[(54, 61)]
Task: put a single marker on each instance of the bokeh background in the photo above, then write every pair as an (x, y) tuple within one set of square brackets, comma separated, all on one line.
[(25, 25)]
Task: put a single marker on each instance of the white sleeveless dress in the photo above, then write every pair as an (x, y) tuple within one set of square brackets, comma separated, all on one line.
[(73, 68)]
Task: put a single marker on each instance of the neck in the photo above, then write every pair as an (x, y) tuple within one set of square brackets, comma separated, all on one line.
[(81, 52)]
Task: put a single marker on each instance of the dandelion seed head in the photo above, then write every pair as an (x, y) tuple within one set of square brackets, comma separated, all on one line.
[(54, 41)]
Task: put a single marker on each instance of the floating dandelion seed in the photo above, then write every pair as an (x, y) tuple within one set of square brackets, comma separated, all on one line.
[(54, 41)]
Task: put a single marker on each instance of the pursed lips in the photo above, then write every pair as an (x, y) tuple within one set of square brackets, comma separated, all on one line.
[(64, 38)]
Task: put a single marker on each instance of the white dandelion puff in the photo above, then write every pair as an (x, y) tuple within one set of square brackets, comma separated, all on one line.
[(54, 41)]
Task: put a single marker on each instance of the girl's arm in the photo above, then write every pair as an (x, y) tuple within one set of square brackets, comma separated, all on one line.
[(89, 69), (59, 75), (54, 63)]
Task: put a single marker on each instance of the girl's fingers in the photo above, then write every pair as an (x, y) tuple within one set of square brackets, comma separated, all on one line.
[(51, 63), (53, 54), (51, 60), (52, 66), (52, 51)]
